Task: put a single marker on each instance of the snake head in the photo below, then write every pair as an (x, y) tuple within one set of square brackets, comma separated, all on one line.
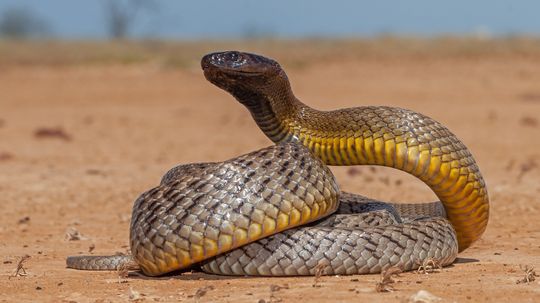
[(235, 65), (244, 75), (253, 80)]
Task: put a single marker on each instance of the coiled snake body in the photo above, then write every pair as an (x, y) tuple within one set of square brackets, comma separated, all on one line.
[(243, 216)]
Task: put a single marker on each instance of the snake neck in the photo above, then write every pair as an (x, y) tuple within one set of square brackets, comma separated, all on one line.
[(275, 111), (284, 118), (278, 122)]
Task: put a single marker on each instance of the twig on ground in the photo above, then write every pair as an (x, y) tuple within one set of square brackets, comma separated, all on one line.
[(319, 271), (51, 132), (387, 279), (525, 167), (124, 268), (530, 274), (134, 295), (20, 271), (429, 265), (273, 289), (72, 234), (202, 292), (24, 220)]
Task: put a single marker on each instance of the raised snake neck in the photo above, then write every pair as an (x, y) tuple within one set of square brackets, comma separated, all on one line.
[(371, 135)]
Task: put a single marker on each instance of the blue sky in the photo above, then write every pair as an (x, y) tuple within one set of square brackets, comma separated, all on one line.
[(199, 19)]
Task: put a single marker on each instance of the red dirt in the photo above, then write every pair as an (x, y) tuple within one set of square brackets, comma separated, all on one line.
[(128, 124)]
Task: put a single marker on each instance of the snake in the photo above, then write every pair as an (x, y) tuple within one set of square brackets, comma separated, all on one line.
[(278, 211)]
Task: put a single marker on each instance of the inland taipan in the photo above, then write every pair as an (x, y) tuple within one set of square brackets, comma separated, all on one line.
[(279, 211)]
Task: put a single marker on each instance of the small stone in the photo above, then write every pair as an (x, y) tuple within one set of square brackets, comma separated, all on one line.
[(424, 296)]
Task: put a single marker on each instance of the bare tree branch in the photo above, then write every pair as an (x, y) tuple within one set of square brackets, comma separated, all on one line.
[(22, 23), (121, 15)]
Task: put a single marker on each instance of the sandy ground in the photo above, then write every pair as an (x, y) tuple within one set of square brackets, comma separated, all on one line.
[(78, 144)]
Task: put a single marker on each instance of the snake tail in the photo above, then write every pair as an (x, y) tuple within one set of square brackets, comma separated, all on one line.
[(113, 262)]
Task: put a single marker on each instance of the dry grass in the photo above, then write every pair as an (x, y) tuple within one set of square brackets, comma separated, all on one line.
[(530, 274), (201, 292), (273, 293), (124, 268), (527, 166), (293, 53), (319, 271), (73, 234), (20, 271), (135, 296), (385, 284), (429, 266)]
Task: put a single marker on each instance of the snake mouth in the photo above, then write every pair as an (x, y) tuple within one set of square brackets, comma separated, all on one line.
[(234, 72)]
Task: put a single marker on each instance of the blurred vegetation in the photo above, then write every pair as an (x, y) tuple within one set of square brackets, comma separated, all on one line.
[(121, 16), (22, 23), (294, 53)]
